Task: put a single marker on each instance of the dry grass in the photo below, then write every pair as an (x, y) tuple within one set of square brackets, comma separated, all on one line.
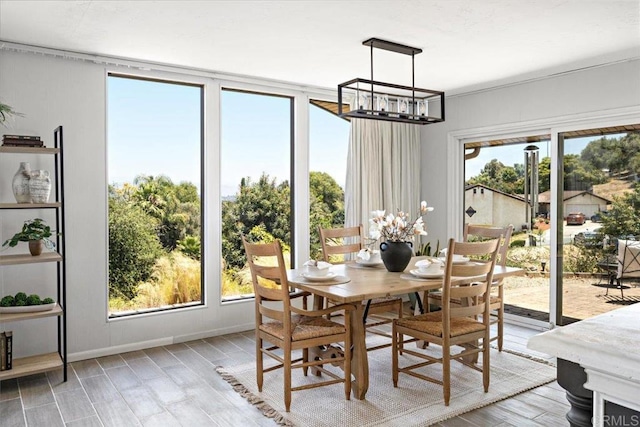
[(615, 187)]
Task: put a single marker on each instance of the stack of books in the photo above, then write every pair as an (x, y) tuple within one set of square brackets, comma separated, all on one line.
[(21, 141), (6, 344)]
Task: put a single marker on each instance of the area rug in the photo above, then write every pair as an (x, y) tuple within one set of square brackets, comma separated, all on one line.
[(413, 403)]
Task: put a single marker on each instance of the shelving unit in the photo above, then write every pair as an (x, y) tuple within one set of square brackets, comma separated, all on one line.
[(48, 361)]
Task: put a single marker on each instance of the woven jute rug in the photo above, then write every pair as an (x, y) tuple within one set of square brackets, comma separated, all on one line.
[(413, 403)]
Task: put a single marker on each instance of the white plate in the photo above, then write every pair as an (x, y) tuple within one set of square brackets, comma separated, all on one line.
[(330, 275), (368, 262), (428, 262), (28, 308), (429, 275), (457, 259)]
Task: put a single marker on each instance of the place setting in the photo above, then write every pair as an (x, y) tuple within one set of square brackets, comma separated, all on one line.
[(319, 273), (425, 270), (367, 258)]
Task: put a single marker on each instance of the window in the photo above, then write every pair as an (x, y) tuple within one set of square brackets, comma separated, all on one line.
[(328, 145), (155, 141), (256, 153)]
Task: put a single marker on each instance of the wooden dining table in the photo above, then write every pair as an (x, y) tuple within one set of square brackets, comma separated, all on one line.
[(361, 283)]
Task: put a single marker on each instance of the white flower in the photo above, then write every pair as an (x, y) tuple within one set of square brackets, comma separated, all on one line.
[(399, 227), (374, 233)]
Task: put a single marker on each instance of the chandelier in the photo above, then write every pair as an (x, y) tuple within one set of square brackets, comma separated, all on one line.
[(388, 101)]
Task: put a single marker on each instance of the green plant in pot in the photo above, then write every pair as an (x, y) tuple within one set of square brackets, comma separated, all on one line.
[(36, 233), (7, 112)]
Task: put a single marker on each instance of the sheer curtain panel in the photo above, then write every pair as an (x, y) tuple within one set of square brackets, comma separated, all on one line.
[(383, 170)]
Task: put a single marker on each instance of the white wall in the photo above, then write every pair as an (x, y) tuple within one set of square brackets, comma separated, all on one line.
[(579, 98), (494, 209), (54, 91)]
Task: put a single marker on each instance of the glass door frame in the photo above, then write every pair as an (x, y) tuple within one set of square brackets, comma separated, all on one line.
[(554, 127)]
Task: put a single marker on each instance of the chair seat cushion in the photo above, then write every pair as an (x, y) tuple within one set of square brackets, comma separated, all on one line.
[(438, 296), (431, 323), (383, 301), (304, 327)]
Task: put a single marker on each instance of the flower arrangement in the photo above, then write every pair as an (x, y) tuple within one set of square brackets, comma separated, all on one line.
[(399, 227)]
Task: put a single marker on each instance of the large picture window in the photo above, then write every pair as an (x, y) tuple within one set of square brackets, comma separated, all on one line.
[(256, 152), (155, 142), (328, 146)]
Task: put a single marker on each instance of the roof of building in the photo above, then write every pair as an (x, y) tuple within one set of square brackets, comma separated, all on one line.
[(545, 197), (513, 196)]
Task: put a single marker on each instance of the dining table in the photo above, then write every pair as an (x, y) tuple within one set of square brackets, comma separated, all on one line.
[(354, 282)]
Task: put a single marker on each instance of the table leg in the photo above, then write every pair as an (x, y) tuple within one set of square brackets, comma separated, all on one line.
[(316, 353), (359, 362)]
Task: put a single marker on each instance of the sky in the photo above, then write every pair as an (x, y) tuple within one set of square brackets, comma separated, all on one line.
[(154, 129), (512, 154)]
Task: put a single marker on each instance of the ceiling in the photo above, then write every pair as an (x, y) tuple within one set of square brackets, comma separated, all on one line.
[(467, 44)]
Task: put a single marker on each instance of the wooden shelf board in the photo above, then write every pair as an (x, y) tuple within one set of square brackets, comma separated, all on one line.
[(13, 317), (32, 365), (28, 259), (30, 205), (29, 150)]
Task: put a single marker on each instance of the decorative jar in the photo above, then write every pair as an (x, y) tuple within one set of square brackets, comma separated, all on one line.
[(396, 255), (40, 186), (20, 183)]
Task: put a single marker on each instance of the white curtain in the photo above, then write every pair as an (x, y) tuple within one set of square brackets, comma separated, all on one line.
[(383, 170)]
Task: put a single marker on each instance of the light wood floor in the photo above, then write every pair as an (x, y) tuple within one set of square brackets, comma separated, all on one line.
[(176, 385)]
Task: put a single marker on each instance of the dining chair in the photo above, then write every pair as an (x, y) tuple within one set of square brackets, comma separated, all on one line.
[(453, 325), (480, 233), (338, 242), (288, 328)]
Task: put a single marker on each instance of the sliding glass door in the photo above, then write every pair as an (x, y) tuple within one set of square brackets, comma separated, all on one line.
[(507, 183), (601, 205), (597, 205)]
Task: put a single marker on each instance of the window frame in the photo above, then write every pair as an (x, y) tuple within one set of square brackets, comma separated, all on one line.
[(202, 164)]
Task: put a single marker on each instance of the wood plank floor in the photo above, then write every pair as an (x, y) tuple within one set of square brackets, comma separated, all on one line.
[(176, 386)]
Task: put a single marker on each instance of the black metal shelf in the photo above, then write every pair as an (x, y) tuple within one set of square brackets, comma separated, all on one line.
[(44, 362)]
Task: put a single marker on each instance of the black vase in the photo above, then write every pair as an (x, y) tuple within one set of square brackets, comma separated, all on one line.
[(396, 255)]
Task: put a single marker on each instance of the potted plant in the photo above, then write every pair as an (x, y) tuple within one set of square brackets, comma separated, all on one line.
[(37, 233), (6, 112)]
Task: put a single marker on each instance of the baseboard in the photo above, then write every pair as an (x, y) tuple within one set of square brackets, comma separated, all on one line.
[(141, 345)]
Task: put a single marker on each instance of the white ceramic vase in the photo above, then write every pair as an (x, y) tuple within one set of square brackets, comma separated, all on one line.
[(40, 186), (20, 183)]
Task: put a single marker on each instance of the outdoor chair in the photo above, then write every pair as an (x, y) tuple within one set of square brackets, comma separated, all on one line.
[(628, 262), (289, 328), (480, 233), (454, 325), (350, 240)]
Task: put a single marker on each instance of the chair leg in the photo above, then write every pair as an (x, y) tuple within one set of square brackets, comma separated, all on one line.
[(486, 365), (446, 373), (347, 361), (500, 318), (287, 379), (305, 359), (394, 354), (259, 367)]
